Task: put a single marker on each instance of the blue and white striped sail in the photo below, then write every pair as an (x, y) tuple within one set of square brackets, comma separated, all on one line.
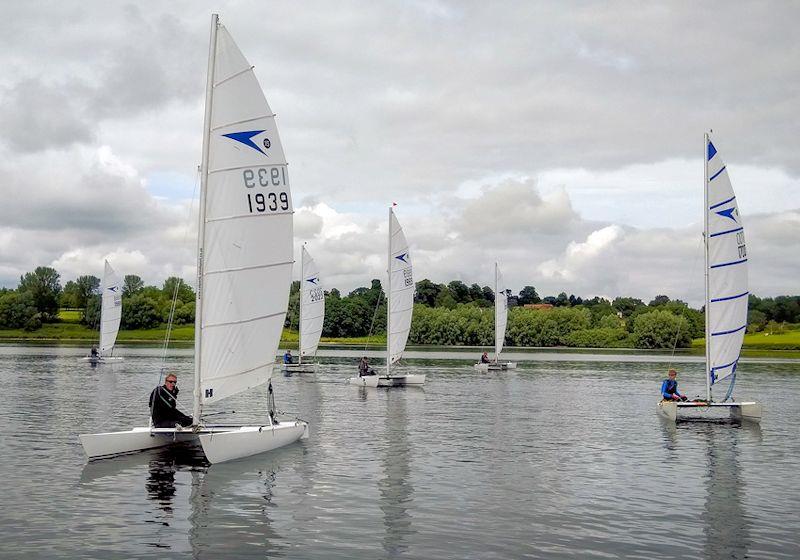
[(500, 311), (726, 260), (312, 306)]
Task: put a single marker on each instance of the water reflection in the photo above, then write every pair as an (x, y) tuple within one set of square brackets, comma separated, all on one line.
[(395, 488)]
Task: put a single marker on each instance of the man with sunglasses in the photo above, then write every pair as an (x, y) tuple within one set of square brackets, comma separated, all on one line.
[(164, 405)]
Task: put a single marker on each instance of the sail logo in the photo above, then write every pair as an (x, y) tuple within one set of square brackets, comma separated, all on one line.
[(113, 288), (246, 137), (209, 393), (402, 257), (729, 213), (314, 280)]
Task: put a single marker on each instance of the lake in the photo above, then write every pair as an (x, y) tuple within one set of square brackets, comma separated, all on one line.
[(567, 458)]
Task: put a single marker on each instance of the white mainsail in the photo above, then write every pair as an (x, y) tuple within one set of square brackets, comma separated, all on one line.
[(245, 242), (401, 291), (110, 310), (726, 268), (312, 305), (500, 311)]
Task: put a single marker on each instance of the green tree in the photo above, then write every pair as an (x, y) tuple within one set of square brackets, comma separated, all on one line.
[(528, 295), (131, 284), (88, 287), (459, 291), (661, 329), (141, 311), (18, 311), (626, 305), (427, 292), (69, 295), (44, 286), (756, 321), (185, 292)]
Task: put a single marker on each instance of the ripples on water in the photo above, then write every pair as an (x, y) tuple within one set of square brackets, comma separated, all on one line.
[(565, 459)]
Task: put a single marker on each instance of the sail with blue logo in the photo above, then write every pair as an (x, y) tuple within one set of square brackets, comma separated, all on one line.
[(312, 306), (401, 289), (726, 262), (245, 246), (110, 310), (500, 311)]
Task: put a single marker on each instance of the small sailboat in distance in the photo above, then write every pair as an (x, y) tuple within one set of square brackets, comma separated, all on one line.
[(244, 268), (500, 322), (312, 315), (400, 308), (726, 293), (110, 317)]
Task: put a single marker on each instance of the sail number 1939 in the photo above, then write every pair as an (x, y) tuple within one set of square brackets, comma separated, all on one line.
[(268, 178)]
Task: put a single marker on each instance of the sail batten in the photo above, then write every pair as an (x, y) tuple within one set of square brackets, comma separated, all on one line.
[(246, 253), (726, 267)]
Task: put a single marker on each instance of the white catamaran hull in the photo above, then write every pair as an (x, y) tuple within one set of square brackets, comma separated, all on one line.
[(750, 411), (220, 443), (501, 366), (400, 380), (364, 381), (310, 367)]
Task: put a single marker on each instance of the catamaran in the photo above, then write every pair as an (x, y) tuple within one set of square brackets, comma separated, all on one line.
[(312, 315), (244, 267), (500, 321), (400, 307), (110, 317), (726, 293)]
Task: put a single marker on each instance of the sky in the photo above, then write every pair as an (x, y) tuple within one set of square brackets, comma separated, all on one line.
[(563, 140)]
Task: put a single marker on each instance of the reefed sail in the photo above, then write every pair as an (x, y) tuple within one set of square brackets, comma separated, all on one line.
[(401, 295), (312, 306), (727, 294), (110, 310), (245, 250)]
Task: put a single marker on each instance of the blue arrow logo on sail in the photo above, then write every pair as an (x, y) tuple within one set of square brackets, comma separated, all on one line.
[(245, 138), (113, 288), (402, 257), (313, 280), (729, 213)]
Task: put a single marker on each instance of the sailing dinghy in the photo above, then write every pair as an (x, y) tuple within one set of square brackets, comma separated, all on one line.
[(726, 294), (312, 315), (244, 267), (400, 307), (500, 321), (110, 317)]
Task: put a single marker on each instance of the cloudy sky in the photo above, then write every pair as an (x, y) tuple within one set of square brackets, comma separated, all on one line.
[(562, 139)]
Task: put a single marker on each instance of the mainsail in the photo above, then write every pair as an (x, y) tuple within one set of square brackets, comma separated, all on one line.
[(312, 306), (500, 311), (245, 242), (110, 310), (401, 290), (726, 269)]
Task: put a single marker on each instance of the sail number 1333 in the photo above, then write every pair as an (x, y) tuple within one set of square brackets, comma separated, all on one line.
[(274, 199)]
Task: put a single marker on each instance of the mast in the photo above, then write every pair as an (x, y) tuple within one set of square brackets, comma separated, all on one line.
[(198, 318), (389, 299), (705, 249)]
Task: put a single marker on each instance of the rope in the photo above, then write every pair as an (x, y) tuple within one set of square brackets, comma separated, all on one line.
[(374, 314)]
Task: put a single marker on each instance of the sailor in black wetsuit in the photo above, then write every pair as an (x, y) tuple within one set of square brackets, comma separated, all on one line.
[(669, 388), (164, 405)]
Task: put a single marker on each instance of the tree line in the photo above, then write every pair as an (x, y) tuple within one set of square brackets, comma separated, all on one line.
[(446, 314)]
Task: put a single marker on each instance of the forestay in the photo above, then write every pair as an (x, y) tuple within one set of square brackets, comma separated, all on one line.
[(110, 310), (312, 306), (727, 294), (500, 311), (245, 250), (401, 293)]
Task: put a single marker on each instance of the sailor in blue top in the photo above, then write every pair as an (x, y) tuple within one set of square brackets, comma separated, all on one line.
[(669, 388), (288, 358)]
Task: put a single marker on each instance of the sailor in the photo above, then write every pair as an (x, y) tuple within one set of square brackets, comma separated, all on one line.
[(485, 358), (669, 388), (164, 405), (94, 352), (364, 369), (288, 358)]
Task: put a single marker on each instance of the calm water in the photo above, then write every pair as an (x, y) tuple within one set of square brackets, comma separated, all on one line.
[(566, 459)]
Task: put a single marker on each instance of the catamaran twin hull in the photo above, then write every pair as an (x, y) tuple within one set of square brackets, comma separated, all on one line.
[(219, 443), (750, 411), (388, 380), (309, 367), (499, 366), (102, 359)]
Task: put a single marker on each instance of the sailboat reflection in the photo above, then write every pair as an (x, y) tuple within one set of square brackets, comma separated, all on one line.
[(396, 491)]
